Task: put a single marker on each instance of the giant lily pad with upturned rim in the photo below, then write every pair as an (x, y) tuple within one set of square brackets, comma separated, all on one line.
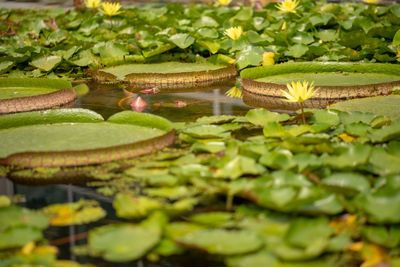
[(166, 75), (76, 137), (335, 81), (28, 94)]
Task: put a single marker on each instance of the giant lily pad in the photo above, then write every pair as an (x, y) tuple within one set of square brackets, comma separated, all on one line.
[(76, 137), (166, 75), (335, 81), (25, 94)]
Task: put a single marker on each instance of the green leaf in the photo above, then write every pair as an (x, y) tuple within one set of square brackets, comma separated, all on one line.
[(211, 46), (6, 66), (386, 133), (297, 50), (205, 21), (250, 55), (379, 105), (387, 236), (182, 40), (327, 35), (239, 166), (112, 50), (384, 163), (130, 207), (305, 233), (126, 242), (214, 219), (46, 63), (262, 117), (206, 131), (347, 182), (348, 157), (222, 242), (381, 206)]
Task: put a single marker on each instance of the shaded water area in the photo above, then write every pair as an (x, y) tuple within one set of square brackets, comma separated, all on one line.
[(177, 106)]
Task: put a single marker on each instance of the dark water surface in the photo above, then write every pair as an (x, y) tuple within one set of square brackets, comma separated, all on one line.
[(177, 106)]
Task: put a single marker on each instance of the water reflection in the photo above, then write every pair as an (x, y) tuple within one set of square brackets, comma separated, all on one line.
[(175, 105)]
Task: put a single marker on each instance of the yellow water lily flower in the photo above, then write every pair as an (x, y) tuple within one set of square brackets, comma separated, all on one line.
[(371, 1), (299, 91), (268, 58), (234, 92), (92, 3), (234, 32), (111, 9), (288, 6), (223, 2)]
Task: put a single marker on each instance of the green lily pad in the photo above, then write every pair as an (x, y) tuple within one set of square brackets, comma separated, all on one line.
[(63, 144), (166, 74), (222, 242), (126, 242), (347, 182), (23, 87), (379, 105), (46, 63), (262, 117)]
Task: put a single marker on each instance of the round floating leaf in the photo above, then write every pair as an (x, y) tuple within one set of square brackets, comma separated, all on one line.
[(333, 80), (166, 74), (347, 182), (126, 242), (86, 141), (222, 242), (26, 94), (379, 105), (81, 212), (46, 63)]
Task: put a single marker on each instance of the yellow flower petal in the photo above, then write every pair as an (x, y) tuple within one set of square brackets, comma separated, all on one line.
[(234, 32), (299, 91), (92, 3), (288, 6), (111, 9)]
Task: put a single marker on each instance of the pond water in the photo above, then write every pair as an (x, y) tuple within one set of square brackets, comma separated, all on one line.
[(185, 105)]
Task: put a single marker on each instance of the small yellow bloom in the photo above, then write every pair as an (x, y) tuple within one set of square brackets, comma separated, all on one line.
[(299, 91), (268, 58), (223, 2), (92, 3), (111, 9), (288, 6), (371, 1), (28, 248), (234, 32), (398, 54), (234, 92)]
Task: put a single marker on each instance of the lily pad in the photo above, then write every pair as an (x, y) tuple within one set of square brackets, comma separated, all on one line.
[(166, 75), (222, 242), (379, 105), (126, 242), (26, 94), (81, 212), (126, 134), (334, 81)]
